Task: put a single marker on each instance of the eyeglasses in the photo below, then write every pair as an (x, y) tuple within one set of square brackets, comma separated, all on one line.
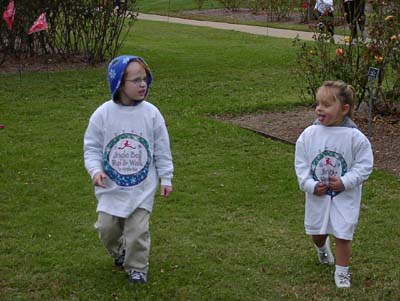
[(137, 81)]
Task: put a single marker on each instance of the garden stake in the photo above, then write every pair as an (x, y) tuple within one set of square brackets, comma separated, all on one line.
[(373, 74)]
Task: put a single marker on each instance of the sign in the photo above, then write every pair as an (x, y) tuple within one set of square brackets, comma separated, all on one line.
[(373, 73)]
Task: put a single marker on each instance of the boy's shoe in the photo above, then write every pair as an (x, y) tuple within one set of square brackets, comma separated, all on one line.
[(137, 277), (326, 257), (119, 261), (342, 280)]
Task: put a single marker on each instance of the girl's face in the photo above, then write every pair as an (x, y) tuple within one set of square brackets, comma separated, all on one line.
[(331, 112), (134, 86)]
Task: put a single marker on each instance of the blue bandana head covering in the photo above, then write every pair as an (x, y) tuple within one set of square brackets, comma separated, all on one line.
[(116, 70)]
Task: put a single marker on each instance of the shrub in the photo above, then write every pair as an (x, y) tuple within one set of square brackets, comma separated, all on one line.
[(199, 3), (91, 29), (284, 8), (321, 60), (231, 4), (280, 10), (258, 5)]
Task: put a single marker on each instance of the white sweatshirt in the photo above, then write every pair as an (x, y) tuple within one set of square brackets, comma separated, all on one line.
[(338, 151), (322, 5), (131, 145)]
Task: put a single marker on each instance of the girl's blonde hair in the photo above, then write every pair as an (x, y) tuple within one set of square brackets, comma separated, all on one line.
[(338, 91)]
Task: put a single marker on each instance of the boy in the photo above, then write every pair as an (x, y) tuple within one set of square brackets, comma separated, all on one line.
[(126, 151)]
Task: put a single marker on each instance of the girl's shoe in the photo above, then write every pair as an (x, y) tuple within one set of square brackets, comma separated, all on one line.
[(326, 257), (342, 280), (137, 277)]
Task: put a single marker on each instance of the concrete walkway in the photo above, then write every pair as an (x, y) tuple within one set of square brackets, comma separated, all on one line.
[(258, 30)]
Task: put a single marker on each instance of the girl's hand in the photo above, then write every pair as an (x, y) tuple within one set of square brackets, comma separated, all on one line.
[(320, 189), (335, 183), (98, 179), (165, 190)]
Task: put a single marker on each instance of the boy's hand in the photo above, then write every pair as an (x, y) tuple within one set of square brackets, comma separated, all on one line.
[(98, 179), (336, 184), (320, 189), (165, 190)]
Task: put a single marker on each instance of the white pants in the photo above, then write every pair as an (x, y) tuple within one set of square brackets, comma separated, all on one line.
[(131, 234)]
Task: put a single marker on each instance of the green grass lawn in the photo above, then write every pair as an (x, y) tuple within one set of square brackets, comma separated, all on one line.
[(233, 227)]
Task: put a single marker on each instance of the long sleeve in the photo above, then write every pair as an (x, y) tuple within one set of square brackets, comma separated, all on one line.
[(162, 153), (302, 167), (363, 162), (93, 147)]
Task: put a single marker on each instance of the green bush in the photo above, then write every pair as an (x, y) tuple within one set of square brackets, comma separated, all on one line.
[(258, 5), (231, 4), (321, 60), (91, 29), (199, 3)]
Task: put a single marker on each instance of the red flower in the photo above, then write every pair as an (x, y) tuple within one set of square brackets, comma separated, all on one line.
[(304, 5)]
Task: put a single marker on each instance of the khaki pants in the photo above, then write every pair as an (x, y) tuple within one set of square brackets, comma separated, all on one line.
[(131, 233)]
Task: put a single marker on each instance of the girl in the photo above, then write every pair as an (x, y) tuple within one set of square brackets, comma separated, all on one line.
[(324, 10), (332, 159)]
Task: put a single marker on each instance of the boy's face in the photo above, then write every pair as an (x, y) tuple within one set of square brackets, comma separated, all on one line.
[(331, 112), (134, 85)]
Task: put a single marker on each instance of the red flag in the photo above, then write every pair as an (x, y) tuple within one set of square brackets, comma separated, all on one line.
[(8, 15), (39, 25)]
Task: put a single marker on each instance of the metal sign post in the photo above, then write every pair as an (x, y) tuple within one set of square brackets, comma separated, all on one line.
[(373, 75)]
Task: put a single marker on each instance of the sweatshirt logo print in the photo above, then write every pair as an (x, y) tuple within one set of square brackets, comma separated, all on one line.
[(328, 164), (127, 159)]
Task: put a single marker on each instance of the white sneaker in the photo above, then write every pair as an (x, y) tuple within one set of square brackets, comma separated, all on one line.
[(365, 38), (342, 280), (326, 257)]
